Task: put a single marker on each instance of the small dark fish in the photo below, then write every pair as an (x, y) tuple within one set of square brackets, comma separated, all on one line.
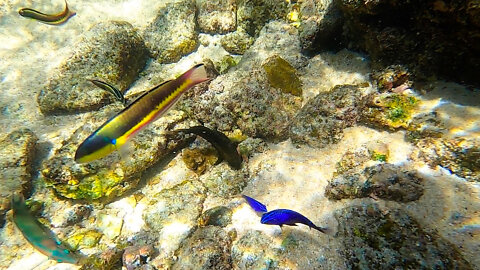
[(37, 235), (288, 217), (256, 205), (225, 147), (112, 89), (52, 19)]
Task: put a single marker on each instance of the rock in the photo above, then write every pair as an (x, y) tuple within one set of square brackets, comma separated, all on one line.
[(321, 121), (395, 78), (320, 25), (199, 159), (253, 251), (352, 160), (383, 181), (390, 240), (108, 259), (217, 216), (77, 214), (413, 34), (391, 110), (237, 42), (109, 225), (252, 15), (217, 16), (110, 51), (243, 98), (111, 176), (182, 203), (282, 75), (207, 248), (250, 146), (172, 33), (84, 239), (222, 181), (461, 156), (137, 256), (17, 151)]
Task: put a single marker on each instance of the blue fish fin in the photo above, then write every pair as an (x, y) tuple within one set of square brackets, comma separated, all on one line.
[(256, 205)]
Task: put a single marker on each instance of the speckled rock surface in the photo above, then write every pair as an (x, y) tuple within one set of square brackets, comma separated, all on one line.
[(321, 121), (223, 181), (383, 181), (252, 15), (253, 251), (111, 176), (414, 33), (110, 51), (207, 248), (217, 16), (17, 151), (460, 156), (383, 239), (320, 25), (228, 105), (182, 203), (172, 33), (217, 216)]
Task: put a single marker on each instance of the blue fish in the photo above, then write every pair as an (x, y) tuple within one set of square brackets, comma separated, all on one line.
[(256, 205), (288, 217)]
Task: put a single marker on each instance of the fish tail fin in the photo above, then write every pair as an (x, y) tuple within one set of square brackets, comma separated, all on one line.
[(324, 230), (197, 74)]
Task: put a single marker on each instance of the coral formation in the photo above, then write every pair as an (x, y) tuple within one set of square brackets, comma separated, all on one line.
[(390, 110), (321, 121), (384, 181), (378, 239), (110, 51), (17, 151), (172, 33), (208, 248), (217, 16)]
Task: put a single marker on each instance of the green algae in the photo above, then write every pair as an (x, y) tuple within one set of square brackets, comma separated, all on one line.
[(282, 75), (392, 110), (84, 239), (226, 63), (104, 183), (379, 156)]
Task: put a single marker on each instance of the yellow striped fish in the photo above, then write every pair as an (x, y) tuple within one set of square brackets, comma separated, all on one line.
[(52, 19), (147, 108)]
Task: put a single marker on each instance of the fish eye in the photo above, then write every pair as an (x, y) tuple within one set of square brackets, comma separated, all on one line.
[(113, 141)]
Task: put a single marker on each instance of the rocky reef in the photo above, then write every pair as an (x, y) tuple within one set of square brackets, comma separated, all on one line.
[(17, 153), (110, 51), (370, 146)]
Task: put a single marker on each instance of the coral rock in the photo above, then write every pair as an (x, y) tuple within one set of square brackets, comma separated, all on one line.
[(217, 16), (207, 248), (321, 121), (374, 239), (172, 33), (17, 151), (109, 51)]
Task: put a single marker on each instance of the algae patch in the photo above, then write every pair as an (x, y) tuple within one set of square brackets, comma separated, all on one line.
[(393, 110), (282, 75)]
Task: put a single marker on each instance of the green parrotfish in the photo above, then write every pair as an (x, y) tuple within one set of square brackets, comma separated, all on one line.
[(52, 19), (38, 235), (137, 115)]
